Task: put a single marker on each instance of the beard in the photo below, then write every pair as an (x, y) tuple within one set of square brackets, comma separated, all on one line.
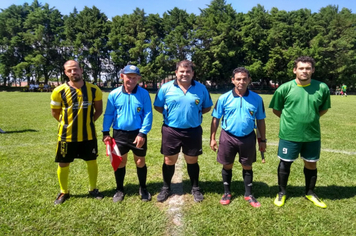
[(76, 78)]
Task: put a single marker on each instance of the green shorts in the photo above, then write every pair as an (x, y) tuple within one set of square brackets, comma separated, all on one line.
[(289, 151)]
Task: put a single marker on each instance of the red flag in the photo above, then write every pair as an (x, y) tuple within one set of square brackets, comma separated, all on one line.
[(114, 153)]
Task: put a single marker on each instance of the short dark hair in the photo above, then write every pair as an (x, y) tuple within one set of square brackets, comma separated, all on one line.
[(304, 59), (240, 70), (185, 63)]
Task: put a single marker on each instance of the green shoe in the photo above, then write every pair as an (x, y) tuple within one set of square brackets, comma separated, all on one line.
[(280, 199), (314, 199)]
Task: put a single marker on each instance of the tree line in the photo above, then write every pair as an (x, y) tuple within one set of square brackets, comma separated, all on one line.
[(36, 40)]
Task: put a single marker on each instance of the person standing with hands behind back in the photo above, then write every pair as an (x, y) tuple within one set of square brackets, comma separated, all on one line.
[(182, 102), (300, 103), (129, 112), (239, 109), (76, 105)]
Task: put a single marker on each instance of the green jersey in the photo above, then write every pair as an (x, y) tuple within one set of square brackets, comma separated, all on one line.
[(344, 88), (300, 106)]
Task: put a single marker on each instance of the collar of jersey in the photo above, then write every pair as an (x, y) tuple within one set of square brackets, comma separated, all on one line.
[(299, 85), (236, 95), (133, 91), (176, 83)]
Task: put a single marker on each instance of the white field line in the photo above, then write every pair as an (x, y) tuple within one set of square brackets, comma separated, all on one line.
[(176, 201)]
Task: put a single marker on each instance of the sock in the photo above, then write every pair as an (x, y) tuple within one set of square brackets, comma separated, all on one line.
[(63, 173), (248, 177), (92, 167), (168, 172), (226, 177), (119, 177), (283, 175), (193, 172), (142, 176), (310, 180)]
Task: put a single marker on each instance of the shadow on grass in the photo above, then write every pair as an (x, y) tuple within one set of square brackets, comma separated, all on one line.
[(19, 131), (260, 189)]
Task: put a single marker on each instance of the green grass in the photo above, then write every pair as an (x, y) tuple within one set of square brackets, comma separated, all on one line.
[(28, 182)]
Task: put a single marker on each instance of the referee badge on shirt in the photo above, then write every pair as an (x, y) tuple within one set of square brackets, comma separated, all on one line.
[(197, 101), (251, 113), (138, 109)]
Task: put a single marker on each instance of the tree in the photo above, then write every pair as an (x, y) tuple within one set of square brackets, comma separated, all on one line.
[(217, 42)]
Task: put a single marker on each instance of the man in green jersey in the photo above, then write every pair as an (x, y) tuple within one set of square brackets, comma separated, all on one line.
[(343, 89), (300, 103)]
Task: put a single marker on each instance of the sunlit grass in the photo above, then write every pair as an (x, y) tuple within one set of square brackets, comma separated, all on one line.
[(28, 182)]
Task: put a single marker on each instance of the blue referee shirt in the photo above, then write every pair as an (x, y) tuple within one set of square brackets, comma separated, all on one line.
[(239, 113), (183, 110), (128, 112)]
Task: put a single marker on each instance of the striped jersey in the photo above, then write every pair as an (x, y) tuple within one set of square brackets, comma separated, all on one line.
[(77, 116)]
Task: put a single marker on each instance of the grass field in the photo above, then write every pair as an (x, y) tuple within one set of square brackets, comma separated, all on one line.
[(28, 183)]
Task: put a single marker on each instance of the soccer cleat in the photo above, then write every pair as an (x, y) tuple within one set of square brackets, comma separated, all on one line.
[(252, 200), (145, 195), (164, 194), (197, 194), (2, 131), (96, 194), (314, 199), (280, 199), (226, 199), (119, 196), (61, 198)]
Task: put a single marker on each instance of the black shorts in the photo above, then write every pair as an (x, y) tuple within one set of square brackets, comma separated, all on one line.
[(124, 141), (67, 152), (173, 139), (230, 145)]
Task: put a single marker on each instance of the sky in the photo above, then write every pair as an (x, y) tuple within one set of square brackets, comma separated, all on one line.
[(113, 8)]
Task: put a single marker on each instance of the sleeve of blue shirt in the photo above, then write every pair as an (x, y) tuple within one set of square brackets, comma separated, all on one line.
[(261, 114), (218, 109), (159, 99), (207, 99), (147, 117), (109, 114)]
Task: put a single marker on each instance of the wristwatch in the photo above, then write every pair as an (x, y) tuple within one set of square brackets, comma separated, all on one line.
[(263, 140)]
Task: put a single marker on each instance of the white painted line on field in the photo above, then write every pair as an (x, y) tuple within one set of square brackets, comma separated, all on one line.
[(176, 201)]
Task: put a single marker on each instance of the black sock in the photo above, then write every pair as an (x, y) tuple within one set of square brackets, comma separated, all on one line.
[(193, 172), (283, 175), (248, 177), (142, 176), (226, 177), (168, 172), (310, 180), (119, 177)]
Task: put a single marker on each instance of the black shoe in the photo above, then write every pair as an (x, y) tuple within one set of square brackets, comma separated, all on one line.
[(119, 196), (198, 195), (96, 194), (145, 195), (164, 194), (61, 198)]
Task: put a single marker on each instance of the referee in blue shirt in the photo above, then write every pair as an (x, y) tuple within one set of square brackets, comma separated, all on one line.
[(129, 112), (182, 102), (239, 109)]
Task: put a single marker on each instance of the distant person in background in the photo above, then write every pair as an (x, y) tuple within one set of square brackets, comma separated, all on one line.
[(300, 103), (76, 105), (240, 110), (129, 112), (344, 90), (182, 102), (31, 88)]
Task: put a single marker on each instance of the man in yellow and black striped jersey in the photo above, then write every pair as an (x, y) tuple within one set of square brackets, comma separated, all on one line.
[(76, 104)]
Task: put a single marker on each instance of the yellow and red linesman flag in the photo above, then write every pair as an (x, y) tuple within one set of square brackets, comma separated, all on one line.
[(114, 153)]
